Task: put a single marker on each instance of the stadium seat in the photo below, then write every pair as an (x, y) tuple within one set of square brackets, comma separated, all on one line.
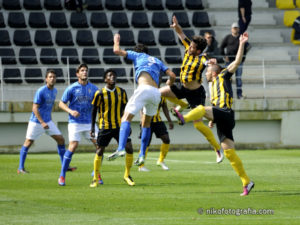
[(109, 57), (72, 74), (27, 56), (154, 5), (32, 4), (146, 37), (183, 19), (90, 56), (155, 52), (160, 19), (139, 20), (202, 32), (290, 16), (59, 75), (105, 38), (94, 4), (173, 55), (2, 23), (64, 38), (7, 56), (121, 75), (200, 19), (33, 75), (134, 5), (299, 55), (189, 33), (96, 75), (43, 38), (52, 4), (114, 5), (22, 38), (177, 71), (167, 37), (78, 20), (37, 20), (174, 4), (4, 38), (48, 56), (297, 4), (11, 4), (194, 4), (84, 38), (12, 76), (99, 20), (69, 55), (127, 37), (16, 20), (285, 4), (58, 20), (119, 20)]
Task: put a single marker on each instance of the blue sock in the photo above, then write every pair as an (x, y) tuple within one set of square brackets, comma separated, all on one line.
[(66, 163), (145, 138), (23, 154), (61, 149), (124, 133)]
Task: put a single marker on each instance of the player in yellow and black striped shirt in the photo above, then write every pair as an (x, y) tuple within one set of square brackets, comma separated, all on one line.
[(110, 103), (221, 112)]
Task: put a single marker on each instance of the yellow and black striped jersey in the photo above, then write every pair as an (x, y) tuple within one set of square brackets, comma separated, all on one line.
[(111, 105), (222, 95), (157, 117), (192, 66)]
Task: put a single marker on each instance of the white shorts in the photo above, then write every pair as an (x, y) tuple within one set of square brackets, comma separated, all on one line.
[(144, 97), (75, 131), (34, 130)]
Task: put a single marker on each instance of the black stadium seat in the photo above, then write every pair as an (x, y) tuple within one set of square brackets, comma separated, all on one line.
[(109, 57), (11, 4), (71, 54), (189, 33), (194, 4), (27, 56), (154, 5), (72, 74), (105, 37), (64, 38), (52, 4), (59, 75), (121, 75), (155, 52), (139, 20), (4, 38), (174, 4), (167, 37), (12, 76), (48, 56), (2, 23), (22, 38), (33, 75), (84, 38), (114, 5), (173, 55), (7, 56), (200, 19), (94, 4), (37, 20), (160, 19), (146, 37), (43, 38), (183, 19), (78, 20), (16, 20), (96, 75), (134, 5), (90, 56), (58, 20), (99, 20), (127, 37), (119, 20), (32, 4)]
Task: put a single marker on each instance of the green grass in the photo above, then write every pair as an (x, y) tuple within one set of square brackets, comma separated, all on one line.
[(160, 197)]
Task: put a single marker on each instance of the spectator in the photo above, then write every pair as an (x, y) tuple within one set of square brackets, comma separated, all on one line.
[(212, 50), (244, 12)]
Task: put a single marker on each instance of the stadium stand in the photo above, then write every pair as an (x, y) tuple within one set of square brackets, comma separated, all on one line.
[(114, 5), (7, 56), (167, 37), (160, 19), (285, 4), (127, 38), (22, 38), (109, 57), (90, 56), (32, 4), (27, 56), (174, 4), (99, 20), (295, 35), (139, 20), (194, 4), (2, 23), (69, 55), (96, 75), (105, 38), (84, 38), (58, 20), (12, 76), (52, 4), (79, 20), (33, 75), (16, 20), (297, 3), (4, 38), (94, 4), (11, 4), (154, 5), (43, 38), (37, 20), (290, 16), (146, 37), (119, 20), (134, 5), (48, 56)]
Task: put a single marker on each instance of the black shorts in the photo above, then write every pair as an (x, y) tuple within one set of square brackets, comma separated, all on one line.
[(158, 128), (224, 119), (194, 97), (105, 136)]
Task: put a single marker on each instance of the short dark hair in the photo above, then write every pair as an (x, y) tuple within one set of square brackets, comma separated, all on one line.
[(200, 42), (80, 66), (107, 72), (141, 48), (50, 71)]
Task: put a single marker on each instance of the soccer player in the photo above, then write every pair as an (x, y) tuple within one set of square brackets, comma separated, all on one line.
[(110, 102), (221, 111), (41, 122), (146, 96), (80, 96), (159, 128), (190, 86)]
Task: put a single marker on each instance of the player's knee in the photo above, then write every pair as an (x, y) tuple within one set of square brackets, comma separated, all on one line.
[(129, 148), (165, 139)]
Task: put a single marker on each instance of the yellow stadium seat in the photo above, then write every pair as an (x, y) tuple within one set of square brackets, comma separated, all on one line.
[(290, 16), (299, 55), (298, 3), (295, 42), (285, 4)]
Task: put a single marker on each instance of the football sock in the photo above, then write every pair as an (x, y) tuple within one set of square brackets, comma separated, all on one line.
[(195, 114), (97, 166), (128, 164), (23, 154), (147, 149), (237, 165), (177, 101), (124, 133), (207, 132), (164, 148), (61, 149), (66, 163), (145, 138)]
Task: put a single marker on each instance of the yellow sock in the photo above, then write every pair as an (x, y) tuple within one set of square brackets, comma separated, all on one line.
[(195, 114), (237, 165), (145, 156), (128, 164), (209, 135), (97, 166), (177, 101), (164, 149)]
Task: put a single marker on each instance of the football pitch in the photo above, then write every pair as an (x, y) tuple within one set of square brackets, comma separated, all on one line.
[(195, 190)]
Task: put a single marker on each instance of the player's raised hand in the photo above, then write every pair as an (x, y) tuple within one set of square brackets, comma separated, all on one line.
[(117, 38), (175, 22), (244, 37)]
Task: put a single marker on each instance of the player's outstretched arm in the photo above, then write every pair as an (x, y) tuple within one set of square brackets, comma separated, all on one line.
[(177, 28), (117, 49)]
